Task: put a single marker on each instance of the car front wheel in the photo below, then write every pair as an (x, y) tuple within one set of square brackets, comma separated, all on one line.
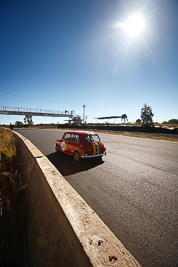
[(77, 157), (57, 149)]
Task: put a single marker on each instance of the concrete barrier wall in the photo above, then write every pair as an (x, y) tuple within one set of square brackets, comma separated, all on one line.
[(61, 229)]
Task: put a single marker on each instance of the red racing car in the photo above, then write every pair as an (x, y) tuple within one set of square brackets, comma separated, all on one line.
[(81, 144)]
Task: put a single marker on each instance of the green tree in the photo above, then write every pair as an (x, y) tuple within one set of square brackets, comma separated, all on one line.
[(138, 121), (173, 121), (124, 117), (28, 120), (147, 115), (18, 123)]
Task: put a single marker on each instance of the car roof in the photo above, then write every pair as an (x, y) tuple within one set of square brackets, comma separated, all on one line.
[(80, 132)]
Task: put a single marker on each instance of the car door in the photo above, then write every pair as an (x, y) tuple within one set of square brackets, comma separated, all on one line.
[(73, 143)]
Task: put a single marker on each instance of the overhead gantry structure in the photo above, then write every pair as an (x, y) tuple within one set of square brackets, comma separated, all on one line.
[(7, 110)]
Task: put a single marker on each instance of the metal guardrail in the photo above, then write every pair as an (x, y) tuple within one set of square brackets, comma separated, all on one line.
[(10, 110)]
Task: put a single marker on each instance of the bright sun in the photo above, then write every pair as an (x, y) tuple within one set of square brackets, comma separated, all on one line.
[(134, 25)]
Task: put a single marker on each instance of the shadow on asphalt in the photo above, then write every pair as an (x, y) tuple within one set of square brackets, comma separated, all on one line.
[(67, 166)]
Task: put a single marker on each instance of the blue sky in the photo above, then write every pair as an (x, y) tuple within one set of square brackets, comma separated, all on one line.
[(60, 55)]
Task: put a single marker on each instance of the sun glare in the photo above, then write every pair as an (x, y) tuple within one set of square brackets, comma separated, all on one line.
[(134, 25)]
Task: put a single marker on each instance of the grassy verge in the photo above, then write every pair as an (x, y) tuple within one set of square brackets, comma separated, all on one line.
[(149, 136), (11, 243)]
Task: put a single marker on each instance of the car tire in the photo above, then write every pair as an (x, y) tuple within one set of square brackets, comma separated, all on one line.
[(77, 156), (57, 149)]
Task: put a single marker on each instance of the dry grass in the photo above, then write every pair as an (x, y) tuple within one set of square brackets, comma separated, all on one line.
[(7, 144), (144, 135), (10, 180)]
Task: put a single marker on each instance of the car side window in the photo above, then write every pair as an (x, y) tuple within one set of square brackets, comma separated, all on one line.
[(72, 137), (76, 138), (67, 137)]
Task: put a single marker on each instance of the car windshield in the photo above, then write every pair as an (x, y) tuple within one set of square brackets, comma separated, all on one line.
[(91, 138)]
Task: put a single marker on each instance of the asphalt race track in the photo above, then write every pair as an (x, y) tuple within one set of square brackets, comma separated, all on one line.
[(133, 190)]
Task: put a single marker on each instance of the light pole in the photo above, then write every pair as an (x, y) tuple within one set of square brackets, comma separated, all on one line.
[(84, 113)]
